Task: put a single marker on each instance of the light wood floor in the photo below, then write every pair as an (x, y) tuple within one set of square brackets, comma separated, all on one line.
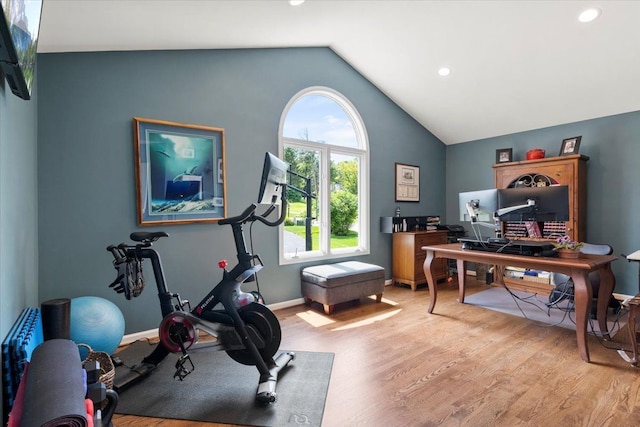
[(396, 365)]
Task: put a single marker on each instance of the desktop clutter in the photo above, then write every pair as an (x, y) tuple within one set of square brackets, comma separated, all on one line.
[(49, 379)]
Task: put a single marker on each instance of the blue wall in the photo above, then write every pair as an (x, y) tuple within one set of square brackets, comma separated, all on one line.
[(18, 207), (613, 175), (86, 166)]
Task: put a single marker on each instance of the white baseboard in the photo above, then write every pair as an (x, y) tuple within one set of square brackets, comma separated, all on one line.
[(128, 339), (285, 304), (153, 333)]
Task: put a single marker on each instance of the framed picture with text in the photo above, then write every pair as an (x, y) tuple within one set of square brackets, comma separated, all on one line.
[(407, 183)]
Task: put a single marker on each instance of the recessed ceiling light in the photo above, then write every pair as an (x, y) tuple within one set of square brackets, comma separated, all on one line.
[(296, 2), (589, 15), (444, 71)]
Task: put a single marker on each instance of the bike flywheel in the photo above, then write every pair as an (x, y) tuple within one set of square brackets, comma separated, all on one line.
[(176, 329)]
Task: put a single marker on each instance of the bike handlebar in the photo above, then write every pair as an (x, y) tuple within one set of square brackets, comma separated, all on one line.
[(283, 213), (244, 216), (249, 215)]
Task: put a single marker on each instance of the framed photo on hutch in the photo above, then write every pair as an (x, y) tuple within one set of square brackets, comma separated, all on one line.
[(570, 145), (407, 183), (504, 155)]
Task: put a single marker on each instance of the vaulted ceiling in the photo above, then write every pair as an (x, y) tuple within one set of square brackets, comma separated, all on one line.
[(515, 65)]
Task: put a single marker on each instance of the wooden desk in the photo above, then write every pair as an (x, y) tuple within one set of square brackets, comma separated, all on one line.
[(577, 269)]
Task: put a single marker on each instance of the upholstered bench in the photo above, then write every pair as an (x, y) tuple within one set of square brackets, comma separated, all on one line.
[(331, 284)]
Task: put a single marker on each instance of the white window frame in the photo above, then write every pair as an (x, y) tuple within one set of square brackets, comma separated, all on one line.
[(326, 150)]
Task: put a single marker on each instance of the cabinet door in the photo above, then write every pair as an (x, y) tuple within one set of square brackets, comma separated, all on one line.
[(426, 239)]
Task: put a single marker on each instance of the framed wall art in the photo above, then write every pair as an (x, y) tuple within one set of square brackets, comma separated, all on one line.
[(504, 155), (570, 146), (407, 183), (179, 172)]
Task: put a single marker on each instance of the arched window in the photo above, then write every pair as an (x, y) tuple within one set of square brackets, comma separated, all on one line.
[(324, 140)]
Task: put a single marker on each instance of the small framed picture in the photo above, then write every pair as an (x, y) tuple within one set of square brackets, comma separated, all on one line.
[(504, 155), (407, 183), (570, 146)]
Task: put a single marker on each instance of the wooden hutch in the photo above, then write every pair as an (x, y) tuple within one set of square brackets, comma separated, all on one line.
[(563, 170)]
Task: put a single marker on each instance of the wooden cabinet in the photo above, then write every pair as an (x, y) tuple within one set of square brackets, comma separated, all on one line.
[(408, 257), (564, 170)]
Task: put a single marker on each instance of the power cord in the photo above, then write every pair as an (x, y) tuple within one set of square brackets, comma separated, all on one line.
[(567, 293), (255, 275)]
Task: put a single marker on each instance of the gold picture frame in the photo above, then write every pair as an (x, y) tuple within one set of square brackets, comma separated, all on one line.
[(180, 176)]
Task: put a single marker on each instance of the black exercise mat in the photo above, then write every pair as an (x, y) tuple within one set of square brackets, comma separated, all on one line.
[(221, 390)]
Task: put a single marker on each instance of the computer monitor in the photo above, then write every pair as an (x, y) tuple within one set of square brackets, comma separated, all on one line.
[(551, 203), (483, 202), (274, 180)]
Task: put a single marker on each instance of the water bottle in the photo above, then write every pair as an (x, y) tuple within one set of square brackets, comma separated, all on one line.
[(241, 299)]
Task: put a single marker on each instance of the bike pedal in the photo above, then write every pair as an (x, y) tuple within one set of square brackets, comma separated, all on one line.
[(181, 370)]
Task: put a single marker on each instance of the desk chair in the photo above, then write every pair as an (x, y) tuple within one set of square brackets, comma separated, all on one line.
[(564, 285)]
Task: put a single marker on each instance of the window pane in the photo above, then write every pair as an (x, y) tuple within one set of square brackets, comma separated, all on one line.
[(319, 118), (344, 201), (301, 231)]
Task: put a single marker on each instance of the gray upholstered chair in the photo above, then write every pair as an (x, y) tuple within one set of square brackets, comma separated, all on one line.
[(564, 285)]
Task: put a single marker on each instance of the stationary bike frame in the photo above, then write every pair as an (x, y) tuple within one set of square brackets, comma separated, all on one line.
[(247, 330)]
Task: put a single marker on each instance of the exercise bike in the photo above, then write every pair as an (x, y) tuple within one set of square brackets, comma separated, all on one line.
[(240, 324)]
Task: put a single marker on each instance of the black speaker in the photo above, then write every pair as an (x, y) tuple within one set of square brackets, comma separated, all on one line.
[(56, 319)]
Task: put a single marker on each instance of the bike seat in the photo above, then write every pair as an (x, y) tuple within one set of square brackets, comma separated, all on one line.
[(147, 236)]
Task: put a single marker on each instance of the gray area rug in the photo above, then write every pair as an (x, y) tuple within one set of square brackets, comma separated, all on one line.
[(533, 307), (221, 390)]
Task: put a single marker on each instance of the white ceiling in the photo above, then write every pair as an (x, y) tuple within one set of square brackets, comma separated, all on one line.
[(516, 65)]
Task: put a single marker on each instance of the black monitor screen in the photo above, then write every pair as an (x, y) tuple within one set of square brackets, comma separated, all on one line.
[(552, 203), (274, 177), (485, 203)]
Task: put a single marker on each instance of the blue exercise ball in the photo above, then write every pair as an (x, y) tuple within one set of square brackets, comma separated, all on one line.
[(97, 322)]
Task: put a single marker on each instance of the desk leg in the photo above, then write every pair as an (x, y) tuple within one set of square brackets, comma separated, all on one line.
[(583, 295), (607, 284), (428, 272), (462, 278)]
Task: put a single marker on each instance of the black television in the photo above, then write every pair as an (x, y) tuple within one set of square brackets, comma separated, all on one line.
[(551, 203), (19, 28), (274, 180)]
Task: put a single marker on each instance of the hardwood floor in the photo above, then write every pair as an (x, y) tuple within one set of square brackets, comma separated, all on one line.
[(396, 365)]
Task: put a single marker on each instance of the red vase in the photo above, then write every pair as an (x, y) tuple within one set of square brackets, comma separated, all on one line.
[(536, 153)]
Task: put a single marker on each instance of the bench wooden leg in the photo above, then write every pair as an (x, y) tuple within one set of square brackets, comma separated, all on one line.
[(378, 297), (328, 309)]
